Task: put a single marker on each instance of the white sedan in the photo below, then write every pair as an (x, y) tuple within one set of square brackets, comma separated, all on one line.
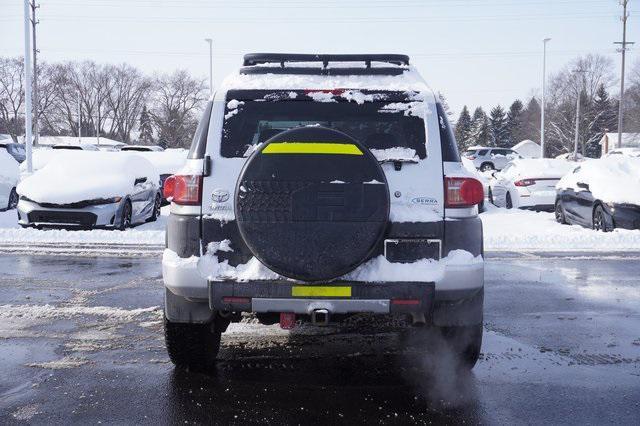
[(528, 183)]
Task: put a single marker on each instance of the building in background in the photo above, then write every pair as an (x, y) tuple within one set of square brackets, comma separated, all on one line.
[(527, 148), (610, 140)]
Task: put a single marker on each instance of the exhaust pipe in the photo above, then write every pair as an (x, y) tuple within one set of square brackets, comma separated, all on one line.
[(418, 319), (320, 317)]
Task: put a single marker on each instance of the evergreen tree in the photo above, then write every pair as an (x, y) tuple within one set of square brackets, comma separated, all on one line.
[(530, 126), (463, 130), (146, 129), (499, 129), (480, 129), (602, 119), (445, 105), (514, 122)]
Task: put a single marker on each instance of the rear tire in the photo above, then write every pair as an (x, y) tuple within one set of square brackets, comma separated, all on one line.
[(13, 199), (509, 201), (491, 197), (192, 346), (486, 167), (559, 213)]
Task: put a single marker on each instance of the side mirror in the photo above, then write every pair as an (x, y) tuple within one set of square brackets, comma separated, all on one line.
[(584, 186), (138, 181)]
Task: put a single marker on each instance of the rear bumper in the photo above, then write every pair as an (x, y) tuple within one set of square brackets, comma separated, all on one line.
[(543, 200), (625, 216)]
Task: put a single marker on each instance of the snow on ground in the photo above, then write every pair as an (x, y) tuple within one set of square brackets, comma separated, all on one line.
[(523, 230)]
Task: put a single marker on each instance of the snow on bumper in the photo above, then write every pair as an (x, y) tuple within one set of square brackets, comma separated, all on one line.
[(455, 276)]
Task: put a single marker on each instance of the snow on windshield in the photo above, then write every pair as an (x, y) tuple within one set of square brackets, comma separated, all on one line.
[(74, 176), (611, 179)]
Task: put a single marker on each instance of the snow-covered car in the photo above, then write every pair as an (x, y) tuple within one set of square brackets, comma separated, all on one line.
[(16, 150), (167, 162), (631, 152), (486, 158), (311, 194), (484, 180), (142, 148), (570, 156), (528, 183), (90, 189), (79, 147), (601, 194), (9, 174)]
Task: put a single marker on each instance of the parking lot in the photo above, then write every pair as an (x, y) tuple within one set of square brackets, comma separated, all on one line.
[(82, 343)]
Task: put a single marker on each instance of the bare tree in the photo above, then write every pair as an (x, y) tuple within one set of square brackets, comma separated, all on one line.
[(12, 96), (176, 100), (127, 92)]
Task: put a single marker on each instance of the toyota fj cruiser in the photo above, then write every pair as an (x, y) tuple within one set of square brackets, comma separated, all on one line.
[(318, 187)]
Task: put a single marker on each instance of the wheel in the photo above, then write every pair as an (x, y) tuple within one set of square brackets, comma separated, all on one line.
[(490, 195), (509, 202), (559, 213), (463, 342), (13, 199), (600, 219), (125, 220), (156, 209), (487, 166), (192, 346)]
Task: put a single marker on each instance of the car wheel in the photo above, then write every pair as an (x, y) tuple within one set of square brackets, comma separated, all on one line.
[(600, 219), (559, 213), (509, 202), (156, 209), (486, 166), (490, 195), (13, 199), (192, 346), (125, 220)]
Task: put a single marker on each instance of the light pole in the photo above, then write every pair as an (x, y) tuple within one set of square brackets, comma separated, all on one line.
[(27, 85), (579, 73), (210, 41), (544, 84)]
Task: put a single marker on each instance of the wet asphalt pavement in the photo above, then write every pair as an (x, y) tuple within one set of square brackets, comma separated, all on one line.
[(81, 343)]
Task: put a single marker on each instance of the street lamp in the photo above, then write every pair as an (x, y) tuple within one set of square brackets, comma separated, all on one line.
[(579, 74), (210, 41), (544, 81)]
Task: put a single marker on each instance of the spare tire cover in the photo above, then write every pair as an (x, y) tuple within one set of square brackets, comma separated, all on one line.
[(312, 203)]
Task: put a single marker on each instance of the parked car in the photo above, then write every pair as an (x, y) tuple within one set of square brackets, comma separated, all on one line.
[(601, 194), (341, 211), (166, 163), (142, 148), (528, 183), (90, 189), (485, 158), (80, 147), (16, 150), (631, 152), (9, 174)]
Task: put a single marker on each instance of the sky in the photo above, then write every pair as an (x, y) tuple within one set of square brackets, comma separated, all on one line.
[(476, 52)]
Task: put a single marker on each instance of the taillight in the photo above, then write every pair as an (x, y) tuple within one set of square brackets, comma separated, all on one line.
[(471, 157), (525, 182), (185, 190), (168, 187), (463, 192)]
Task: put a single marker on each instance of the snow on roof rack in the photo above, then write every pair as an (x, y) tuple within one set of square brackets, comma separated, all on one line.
[(251, 61)]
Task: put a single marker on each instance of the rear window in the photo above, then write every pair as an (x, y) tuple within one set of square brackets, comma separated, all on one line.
[(377, 124), (483, 152)]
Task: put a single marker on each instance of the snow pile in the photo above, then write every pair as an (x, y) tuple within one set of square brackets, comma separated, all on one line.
[(8, 170), (396, 153), (515, 230), (613, 179), (77, 176), (542, 168)]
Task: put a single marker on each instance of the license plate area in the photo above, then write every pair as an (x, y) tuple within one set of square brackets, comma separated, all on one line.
[(406, 250)]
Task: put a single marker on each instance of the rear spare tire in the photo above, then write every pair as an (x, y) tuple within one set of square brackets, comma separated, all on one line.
[(312, 203)]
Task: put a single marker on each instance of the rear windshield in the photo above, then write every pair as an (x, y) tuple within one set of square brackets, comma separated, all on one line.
[(74, 147), (135, 148), (377, 125)]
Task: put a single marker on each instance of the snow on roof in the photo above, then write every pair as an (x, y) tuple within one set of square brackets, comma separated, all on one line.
[(527, 148), (73, 140), (614, 179), (408, 81), (629, 140), (8, 168), (524, 168), (73, 176)]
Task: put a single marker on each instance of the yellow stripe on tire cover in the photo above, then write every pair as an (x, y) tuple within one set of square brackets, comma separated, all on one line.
[(311, 148), (320, 291)]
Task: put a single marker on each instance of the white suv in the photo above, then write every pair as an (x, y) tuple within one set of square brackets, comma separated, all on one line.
[(485, 158), (318, 187)]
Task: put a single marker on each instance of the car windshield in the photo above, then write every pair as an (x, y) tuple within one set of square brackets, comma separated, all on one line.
[(377, 125), (470, 152)]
